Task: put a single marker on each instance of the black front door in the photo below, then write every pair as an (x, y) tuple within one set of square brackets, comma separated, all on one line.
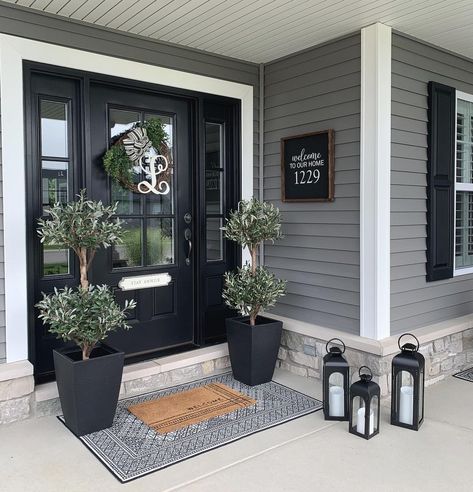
[(158, 228), (71, 119)]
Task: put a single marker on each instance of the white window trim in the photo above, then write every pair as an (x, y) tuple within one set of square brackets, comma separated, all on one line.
[(459, 187), (13, 50)]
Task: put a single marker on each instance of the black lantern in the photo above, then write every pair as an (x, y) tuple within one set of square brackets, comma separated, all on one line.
[(407, 390), (336, 377), (364, 406)]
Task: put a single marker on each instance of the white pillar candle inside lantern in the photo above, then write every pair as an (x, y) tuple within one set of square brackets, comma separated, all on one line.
[(406, 404), (336, 401), (360, 422)]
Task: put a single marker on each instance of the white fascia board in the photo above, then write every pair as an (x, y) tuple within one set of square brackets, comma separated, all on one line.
[(375, 170)]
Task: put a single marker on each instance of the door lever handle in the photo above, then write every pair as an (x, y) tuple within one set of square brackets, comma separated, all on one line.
[(188, 238)]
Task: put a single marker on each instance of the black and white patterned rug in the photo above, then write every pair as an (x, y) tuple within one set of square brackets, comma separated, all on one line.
[(131, 449), (467, 375)]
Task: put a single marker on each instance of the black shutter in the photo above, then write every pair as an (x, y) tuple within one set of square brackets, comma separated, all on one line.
[(440, 181)]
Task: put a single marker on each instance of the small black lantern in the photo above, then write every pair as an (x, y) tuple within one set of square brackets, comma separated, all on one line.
[(336, 378), (407, 390), (364, 406)]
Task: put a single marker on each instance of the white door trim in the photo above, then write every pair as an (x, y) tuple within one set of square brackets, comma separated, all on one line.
[(13, 50), (375, 181)]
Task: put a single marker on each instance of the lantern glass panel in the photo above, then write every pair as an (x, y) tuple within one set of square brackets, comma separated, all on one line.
[(375, 413), (421, 395), (405, 397), (357, 405), (358, 417), (336, 395)]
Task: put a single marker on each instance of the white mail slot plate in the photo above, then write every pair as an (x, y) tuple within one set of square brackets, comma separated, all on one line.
[(145, 281)]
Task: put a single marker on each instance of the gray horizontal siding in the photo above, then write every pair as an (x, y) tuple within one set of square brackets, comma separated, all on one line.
[(32, 25), (319, 255), (415, 302)]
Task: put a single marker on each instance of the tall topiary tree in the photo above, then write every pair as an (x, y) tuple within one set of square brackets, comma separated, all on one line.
[(253, 288), (87, 314)]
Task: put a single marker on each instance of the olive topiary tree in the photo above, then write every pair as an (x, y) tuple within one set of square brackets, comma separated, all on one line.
[(87, 314), (253, 288)]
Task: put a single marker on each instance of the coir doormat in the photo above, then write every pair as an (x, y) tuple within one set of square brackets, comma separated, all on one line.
[(467, 375), (172, 412), (131, 449)]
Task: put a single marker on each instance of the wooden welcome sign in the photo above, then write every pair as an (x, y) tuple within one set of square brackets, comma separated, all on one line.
[(307, 167)]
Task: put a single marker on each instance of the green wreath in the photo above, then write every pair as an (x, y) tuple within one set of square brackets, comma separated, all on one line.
[(128, 148)]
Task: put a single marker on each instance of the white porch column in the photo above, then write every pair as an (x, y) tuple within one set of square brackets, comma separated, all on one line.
[(375, 169)]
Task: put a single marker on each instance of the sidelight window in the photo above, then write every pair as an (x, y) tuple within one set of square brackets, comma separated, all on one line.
[(55, 151), (214, 186)]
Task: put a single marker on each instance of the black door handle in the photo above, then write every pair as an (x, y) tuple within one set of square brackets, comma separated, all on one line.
[(188, 238)]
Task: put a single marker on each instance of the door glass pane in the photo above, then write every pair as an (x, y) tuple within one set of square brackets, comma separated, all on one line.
[(54, 128), (160, 242), (55, 260), (54, 182), (213, 145), (213, 192), (129, 203), (121, 121), (129, 252), (214, 240), (163, 204)]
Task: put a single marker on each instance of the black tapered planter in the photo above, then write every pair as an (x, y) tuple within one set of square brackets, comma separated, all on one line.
[(88, 389), (253, 349)]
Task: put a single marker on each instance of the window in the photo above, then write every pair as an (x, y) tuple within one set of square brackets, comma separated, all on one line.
[(464, 185), (214, 174)]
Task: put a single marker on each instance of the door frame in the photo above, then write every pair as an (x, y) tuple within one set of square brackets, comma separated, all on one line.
[(15, 50), (197, 103)]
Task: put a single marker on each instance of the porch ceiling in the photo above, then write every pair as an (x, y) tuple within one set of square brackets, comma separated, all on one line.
[(263, 30)]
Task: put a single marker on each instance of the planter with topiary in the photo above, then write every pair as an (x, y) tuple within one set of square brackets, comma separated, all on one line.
[(253, 340), (89, 376)]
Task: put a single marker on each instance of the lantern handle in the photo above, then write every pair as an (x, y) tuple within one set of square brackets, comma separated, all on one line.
[(408, 335), (338, 340), (369, 376)]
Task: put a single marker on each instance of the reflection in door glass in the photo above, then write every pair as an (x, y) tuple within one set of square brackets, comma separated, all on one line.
[(54, 141), (149, 220), (129, 252), (163, 204), (214, 185), (159, 241), (121, 121), (55, 260), (54, 182), (55, 176), (214, 239)]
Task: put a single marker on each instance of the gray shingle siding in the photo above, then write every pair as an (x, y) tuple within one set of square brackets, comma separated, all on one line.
[(85, 37), (415, 302), (320, 255)]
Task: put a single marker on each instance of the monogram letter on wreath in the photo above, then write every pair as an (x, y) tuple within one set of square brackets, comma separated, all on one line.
[(143, 150)]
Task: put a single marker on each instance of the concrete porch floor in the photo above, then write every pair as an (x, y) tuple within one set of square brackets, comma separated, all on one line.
[(302, 455)]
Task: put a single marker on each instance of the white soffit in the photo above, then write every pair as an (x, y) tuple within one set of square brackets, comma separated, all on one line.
[(264, 30)]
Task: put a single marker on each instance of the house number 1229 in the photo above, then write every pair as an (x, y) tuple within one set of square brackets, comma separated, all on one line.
[(309, 176)]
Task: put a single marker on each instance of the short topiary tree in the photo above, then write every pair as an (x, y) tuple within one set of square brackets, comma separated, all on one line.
[(253, 288), (87, 314)]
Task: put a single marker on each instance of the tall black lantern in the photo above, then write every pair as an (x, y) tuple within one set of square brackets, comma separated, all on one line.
[(336, 377), (407, 390), (364, 406)]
